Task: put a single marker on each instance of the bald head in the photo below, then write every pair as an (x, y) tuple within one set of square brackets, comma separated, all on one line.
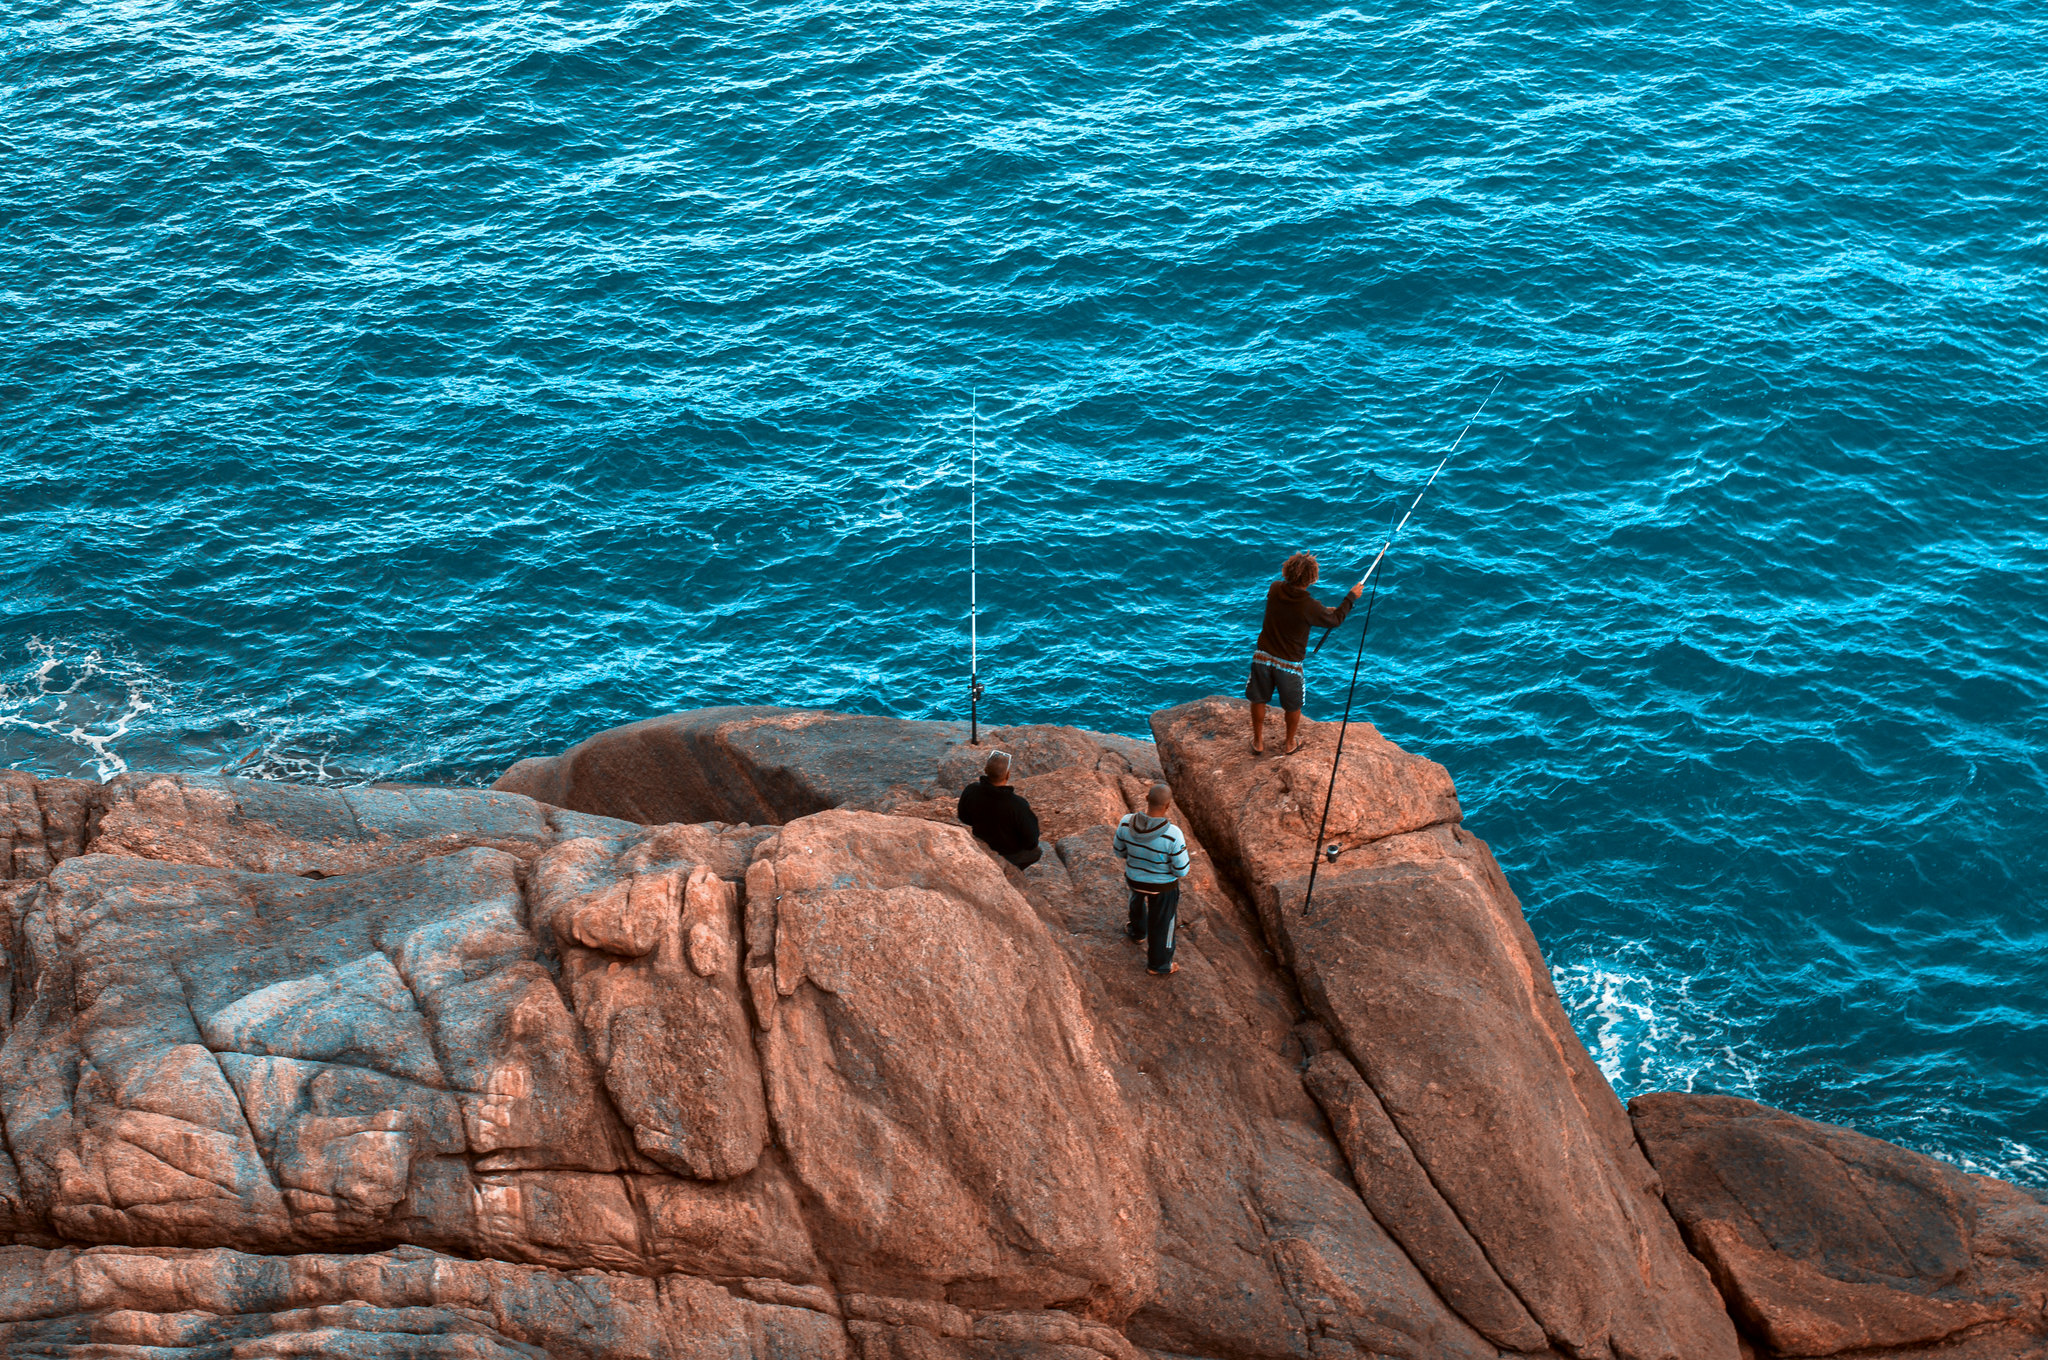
[(1158, 799)]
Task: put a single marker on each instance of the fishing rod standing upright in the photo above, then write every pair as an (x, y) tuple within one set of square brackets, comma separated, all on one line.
[(974, 572)]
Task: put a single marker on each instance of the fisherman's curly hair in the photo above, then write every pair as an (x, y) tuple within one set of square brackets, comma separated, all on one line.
[(1300, 570)]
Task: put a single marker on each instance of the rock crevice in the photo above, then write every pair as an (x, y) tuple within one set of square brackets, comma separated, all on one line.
[(1414, 1209)]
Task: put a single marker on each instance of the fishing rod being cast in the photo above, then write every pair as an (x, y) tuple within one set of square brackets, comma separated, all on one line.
[(1396, 531), (974, 572), (1321, 852)]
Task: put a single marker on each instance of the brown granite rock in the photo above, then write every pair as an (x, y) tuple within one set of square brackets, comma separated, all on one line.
[(317, 832), (936, 1078), (1400, 1194), (800, 1071), (1826, 1241), (1418, 960), (777, 764), (187, 1019), (856, 1070), (401, 1304), (652, 964), (43, 822), (1263, 1247)]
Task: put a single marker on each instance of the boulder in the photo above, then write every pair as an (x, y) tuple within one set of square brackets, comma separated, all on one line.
[(1824, 1240), (936, 1077), (776, 764), (1262, 1245), (1497, 1153)]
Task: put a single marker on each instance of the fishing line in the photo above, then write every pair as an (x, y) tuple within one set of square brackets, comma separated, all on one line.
[(1357, 661)]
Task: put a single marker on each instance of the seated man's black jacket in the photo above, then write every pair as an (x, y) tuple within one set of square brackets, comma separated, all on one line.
[(998, 814)]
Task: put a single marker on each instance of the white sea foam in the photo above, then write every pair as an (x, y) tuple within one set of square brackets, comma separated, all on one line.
[(1649, 1029), (78, 697), (91, 708), (2017, 1162), (1985, 1152)]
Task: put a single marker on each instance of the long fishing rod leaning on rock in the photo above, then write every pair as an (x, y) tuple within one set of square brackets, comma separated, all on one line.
[(974, 573), (1316, 861)]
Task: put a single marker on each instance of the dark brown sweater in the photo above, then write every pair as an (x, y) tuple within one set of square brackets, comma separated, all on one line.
[(1290, 612)]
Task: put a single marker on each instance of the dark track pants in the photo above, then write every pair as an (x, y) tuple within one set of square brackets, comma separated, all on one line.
[(1155, 914)]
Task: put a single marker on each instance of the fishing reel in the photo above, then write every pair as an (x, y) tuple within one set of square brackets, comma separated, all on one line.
[(1331, 851)]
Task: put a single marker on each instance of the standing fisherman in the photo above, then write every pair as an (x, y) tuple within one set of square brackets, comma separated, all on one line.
[(1283, 644)]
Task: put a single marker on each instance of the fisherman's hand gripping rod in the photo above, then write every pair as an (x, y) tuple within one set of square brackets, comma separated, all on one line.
[(1381, 556)]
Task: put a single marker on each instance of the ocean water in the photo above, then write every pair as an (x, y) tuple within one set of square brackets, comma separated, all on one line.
[(393, 391)]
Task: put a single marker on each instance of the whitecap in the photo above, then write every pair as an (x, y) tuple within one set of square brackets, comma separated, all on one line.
[(80, 701), (1649, 1028)]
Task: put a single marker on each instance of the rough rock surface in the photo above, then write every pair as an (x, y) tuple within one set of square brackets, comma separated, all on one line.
[(1825, 1241), (105, 1302), (785, 1065), (778, 764), (417, 1072), (1488, 1140)]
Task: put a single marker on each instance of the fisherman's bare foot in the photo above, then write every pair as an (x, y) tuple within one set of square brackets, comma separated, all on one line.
[(1171, 969), (1258, 750), (1292, 748)]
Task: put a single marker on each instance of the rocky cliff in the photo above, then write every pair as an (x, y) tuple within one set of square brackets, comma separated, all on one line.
[(714, 1036)]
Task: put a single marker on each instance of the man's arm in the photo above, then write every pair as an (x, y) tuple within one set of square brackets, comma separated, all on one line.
[(1179, 860), (1322, 616)]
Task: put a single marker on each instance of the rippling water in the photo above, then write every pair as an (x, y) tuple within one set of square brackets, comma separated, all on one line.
[(392, 391)]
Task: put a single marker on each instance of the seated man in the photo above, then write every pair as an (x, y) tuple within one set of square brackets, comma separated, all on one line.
[(998, 814)]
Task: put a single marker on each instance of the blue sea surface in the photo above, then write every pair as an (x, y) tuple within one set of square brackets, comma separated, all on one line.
[(390, 391)]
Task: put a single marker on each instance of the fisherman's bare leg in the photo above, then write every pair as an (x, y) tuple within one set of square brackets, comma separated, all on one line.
[(1293, 726), (1259, 728)]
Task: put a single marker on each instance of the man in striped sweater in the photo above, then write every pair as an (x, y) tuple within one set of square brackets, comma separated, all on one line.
[(1155, 860)]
